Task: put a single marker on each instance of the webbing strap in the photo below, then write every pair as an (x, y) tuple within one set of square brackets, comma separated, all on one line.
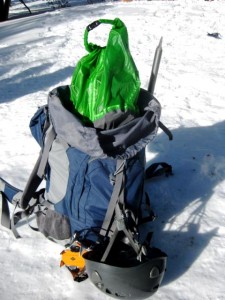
[(31, 186), (117, 226), (111, 242), (115, 219), (17, 216), (50, 136), (122, 226), (118, 186), (166, 130), (5, 214), (158, 169)]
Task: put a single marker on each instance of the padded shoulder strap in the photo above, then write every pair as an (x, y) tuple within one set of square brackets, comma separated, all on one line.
[(37, 174), (4, 211)]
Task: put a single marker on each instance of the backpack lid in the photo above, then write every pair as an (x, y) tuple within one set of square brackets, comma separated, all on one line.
[(122, 142)]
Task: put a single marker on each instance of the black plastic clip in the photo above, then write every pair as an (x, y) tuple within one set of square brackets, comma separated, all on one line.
[(93, 25)]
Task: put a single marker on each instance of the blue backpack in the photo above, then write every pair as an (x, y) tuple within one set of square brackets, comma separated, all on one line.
[(80, 165), (94, 199), (94, 176)]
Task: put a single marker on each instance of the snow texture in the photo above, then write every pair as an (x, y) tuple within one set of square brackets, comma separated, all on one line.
[(39, 52)]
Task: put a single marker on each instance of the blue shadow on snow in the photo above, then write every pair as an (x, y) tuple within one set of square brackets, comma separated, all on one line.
[(197, 157)]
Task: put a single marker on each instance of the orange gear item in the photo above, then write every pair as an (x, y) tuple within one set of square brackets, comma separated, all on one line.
[(73, 259)]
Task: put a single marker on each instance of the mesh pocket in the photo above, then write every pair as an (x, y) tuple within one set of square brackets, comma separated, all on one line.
[(53, 224)]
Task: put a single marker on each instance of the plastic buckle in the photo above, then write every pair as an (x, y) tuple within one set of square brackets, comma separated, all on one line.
[(93, 25), (120, 224)]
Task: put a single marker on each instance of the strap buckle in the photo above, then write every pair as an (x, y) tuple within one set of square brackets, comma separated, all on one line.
[(93, 25)]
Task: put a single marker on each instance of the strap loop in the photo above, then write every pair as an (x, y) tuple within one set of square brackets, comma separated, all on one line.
[(89, 46)]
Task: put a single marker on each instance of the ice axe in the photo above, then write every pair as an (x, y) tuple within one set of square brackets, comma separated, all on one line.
[(155, 67), (152, 81)]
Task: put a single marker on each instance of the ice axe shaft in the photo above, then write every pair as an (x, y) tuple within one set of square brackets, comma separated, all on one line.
[(155, 67), (152, 81)]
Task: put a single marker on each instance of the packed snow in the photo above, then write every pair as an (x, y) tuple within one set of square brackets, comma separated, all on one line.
[(39, 52)]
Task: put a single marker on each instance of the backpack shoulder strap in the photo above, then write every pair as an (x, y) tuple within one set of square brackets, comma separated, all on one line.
[(23, 199), (37, 174), (4, 211), (8, 193)]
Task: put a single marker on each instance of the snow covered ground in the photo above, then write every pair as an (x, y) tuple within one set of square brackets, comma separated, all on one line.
[(39, 52)]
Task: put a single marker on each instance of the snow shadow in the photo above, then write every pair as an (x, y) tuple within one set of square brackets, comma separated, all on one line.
[(32, 80), (197, 155), (37, 7)]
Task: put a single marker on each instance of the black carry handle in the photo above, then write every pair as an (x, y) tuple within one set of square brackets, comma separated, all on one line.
[(89, 46), (93, 25)]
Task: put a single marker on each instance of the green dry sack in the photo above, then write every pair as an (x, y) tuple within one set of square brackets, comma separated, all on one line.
[(106, 80)]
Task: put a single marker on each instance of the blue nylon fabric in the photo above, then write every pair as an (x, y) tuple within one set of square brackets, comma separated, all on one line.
[(9, 190), (89, 188), (97, 192), (135, 174), (77, 162), (37, 124)]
